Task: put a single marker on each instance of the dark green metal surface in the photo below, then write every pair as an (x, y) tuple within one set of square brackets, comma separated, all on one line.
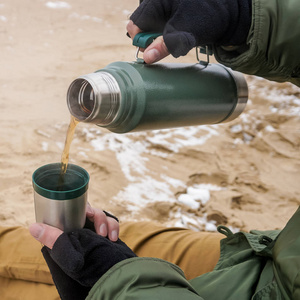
[(171, 95)]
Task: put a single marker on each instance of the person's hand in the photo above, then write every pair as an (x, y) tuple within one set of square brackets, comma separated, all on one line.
[(102, 222), (190, 23), (79, 258), (105, 224), (155, 51)]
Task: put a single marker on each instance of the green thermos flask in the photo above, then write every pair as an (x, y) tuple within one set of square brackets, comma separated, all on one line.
[(133, 96)]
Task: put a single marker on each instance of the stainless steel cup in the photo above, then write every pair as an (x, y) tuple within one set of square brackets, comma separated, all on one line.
[(60, 201)]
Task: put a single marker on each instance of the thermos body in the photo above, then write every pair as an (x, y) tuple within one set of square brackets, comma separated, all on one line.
[(131, 96)]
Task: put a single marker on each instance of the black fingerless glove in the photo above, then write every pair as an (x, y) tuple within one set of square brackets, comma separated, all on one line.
[(189, 23), (79, 258)]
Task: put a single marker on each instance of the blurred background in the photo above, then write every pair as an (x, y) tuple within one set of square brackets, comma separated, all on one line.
[(244, 174)]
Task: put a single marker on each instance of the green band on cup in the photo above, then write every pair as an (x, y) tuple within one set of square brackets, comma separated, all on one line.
[(47, 182)]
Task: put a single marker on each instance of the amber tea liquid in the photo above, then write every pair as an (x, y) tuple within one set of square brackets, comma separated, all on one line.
[(69, 138), (66, 151)]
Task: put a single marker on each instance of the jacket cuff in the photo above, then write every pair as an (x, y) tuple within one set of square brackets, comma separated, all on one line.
[(271, 45), (137, 277), (242, 57)]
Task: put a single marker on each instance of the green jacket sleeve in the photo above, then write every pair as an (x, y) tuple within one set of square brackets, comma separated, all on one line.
[(286, 254), (260, 265), (273, 47), (143, 278)]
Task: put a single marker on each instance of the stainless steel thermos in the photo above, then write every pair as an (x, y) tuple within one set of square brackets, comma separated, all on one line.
[(133, 96)]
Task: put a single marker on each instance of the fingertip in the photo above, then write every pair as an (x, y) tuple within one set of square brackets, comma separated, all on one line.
[(151, 56), (113, 229), (103, 230), (36, 230), (156, 51), (100, 222), (45, 234), (114, 235)]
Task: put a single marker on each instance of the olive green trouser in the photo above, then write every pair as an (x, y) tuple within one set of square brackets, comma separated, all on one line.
[(24, 274)]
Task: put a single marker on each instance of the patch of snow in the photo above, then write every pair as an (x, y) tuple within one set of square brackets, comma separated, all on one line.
[(57, 4), (45, 146)]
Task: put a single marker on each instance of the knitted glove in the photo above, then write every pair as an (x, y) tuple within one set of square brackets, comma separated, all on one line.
[(189, 23), (67, 287), (78, 259)]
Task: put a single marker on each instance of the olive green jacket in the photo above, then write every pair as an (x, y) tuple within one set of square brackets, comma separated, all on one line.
[(256, 265), (273, 44)]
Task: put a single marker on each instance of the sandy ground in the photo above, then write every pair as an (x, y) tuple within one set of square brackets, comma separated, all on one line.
[(244, 174)]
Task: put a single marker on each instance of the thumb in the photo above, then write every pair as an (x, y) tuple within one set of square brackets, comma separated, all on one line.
[(45, 234), (156, 51)]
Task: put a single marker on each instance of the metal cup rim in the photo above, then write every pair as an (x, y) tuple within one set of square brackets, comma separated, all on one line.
[(61, 195)]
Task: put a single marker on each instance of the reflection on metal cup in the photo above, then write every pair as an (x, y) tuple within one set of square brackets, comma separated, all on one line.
[(60, 201)]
